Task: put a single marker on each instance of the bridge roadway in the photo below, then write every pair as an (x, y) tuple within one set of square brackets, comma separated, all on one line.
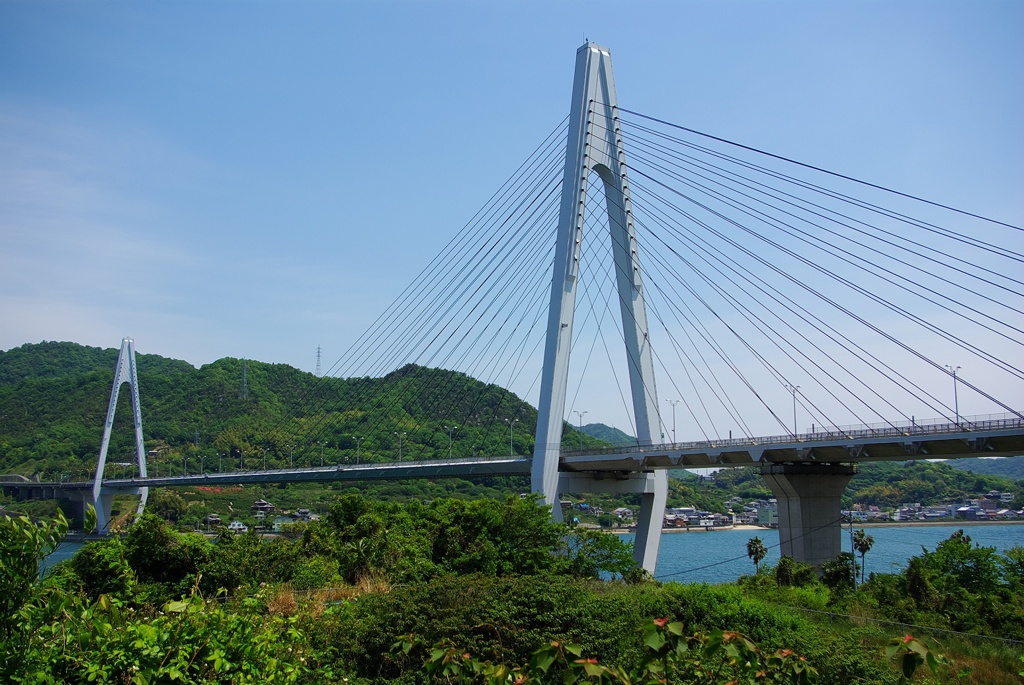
[(972, 437), (807, 473)]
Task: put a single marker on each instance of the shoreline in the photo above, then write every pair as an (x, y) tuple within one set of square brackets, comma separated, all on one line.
[(951, 522), (845, 524)]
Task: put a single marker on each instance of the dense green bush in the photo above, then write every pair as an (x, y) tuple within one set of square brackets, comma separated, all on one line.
[(135, 609)]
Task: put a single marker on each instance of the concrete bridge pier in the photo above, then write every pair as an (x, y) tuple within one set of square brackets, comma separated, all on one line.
[(809, 505), (653, 490), (74, 504)]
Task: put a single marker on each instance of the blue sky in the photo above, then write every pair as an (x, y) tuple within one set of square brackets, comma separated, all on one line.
[(257, 179)]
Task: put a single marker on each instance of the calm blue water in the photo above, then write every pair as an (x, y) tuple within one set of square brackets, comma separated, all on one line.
[(721, 556)]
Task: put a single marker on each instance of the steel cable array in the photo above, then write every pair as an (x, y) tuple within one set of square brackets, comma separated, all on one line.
[(770, 285)]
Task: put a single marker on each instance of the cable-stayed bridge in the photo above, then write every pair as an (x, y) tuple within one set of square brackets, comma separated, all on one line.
[(762, 293)]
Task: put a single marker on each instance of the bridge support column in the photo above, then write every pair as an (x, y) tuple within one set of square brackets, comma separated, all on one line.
[(594, 146), (73, 503), (809, 518), (653, 489), (126, 372)]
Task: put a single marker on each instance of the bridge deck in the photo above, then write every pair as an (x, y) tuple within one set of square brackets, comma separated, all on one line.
[(989, 438)]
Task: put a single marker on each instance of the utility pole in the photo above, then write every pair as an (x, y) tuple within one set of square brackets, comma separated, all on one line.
[(853, 551), (580, 415), (399, 444), (245, 381)]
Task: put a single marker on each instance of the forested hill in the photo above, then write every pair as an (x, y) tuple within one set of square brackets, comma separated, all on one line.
[(1008, 467), (54, 396), (56, 359), (608, 434)]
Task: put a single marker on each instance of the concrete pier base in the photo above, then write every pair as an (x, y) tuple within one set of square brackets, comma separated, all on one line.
[(653, 490), (809, 518)]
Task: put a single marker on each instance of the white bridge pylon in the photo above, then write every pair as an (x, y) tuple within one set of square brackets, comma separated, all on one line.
[(126, 372), (594, 145)]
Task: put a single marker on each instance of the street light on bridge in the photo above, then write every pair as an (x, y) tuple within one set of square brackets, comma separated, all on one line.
[(450, 431), (956, 401), (793, 389), (399, 444), (511, 451), (673, 403)]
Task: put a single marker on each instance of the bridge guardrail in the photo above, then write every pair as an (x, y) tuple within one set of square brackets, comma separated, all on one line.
[(908, 429)]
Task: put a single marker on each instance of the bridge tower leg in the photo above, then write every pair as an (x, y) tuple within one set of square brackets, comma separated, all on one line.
[(126, 372), (594, 145), (809, 504)]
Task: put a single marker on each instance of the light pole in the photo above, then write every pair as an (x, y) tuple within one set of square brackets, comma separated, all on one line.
[(399, 444), (673, 403), (184, 465), (450, 431), (291, 456), (511, 451), (220, 462), (358, 440), (793, 389), (956, 401), (580, 415), (322, 453), (202, 461)]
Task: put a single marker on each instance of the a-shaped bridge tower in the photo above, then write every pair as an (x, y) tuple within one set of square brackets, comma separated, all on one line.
[(594, 147), (102, 497)]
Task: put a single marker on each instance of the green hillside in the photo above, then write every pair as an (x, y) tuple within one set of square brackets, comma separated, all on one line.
[(1007, 467), (608, 434), (53, 401)]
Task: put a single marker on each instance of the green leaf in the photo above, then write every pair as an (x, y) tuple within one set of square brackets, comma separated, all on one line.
[(175, 607), (90, 519)]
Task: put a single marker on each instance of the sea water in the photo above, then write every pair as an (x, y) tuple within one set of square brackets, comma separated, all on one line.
[(720, 556)]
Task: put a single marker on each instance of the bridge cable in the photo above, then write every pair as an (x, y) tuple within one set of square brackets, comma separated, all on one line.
[(825, 171)]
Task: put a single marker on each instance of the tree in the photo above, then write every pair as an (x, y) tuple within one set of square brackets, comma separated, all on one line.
[(591, 553), (756, 551), (863, 544), (23, 544), (839, 574), (960, 565)]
